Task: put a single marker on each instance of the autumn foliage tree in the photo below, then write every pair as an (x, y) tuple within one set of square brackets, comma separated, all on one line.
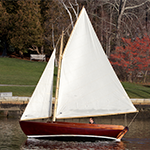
[(132, 59)]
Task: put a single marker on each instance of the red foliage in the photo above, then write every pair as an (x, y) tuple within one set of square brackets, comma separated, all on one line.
[(133, 56)]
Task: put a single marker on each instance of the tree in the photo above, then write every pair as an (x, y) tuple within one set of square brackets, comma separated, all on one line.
[(52, 22), (26, 30), (133, 57), (122, 11), (113, 19), (11, 6), (4, 27), (55, 19), (30, 24), (72, 8)]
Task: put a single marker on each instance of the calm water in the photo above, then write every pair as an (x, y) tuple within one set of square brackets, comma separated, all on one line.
[(12, 138)]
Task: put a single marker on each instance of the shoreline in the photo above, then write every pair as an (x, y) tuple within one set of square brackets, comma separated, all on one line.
[(14, 106), (25, 100)]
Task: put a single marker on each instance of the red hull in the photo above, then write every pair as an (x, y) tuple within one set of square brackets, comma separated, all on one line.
[(42, 129)]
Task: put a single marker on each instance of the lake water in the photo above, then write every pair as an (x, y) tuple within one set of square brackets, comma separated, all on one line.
[(138, 138)]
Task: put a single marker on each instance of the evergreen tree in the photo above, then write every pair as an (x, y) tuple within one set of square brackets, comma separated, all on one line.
[(4, 27), (26, 26)]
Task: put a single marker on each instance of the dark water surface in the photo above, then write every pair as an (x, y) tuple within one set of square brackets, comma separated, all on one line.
[(12, 138)]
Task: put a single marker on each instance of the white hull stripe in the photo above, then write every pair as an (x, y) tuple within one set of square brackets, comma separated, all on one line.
[(55, 136)]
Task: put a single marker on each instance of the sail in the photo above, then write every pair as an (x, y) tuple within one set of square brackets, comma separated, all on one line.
[(40, 102), (88, 83)]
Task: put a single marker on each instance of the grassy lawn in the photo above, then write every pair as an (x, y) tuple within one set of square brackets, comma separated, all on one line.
[(18, 91), (137, 90), (22, 72)]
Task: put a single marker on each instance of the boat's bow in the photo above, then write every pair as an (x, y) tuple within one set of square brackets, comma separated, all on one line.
[(122, 133)]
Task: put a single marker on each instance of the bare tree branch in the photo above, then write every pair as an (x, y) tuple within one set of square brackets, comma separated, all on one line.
[(135, 17), (76, 3), (34, 48), (103, 19), (53, 36), (73, 9), (68, 12), (137, 5)]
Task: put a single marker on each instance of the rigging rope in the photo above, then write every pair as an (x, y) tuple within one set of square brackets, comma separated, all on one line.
[(133, 119), (125, 119)]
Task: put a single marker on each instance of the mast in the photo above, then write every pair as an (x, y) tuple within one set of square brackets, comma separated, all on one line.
[(58, 77)]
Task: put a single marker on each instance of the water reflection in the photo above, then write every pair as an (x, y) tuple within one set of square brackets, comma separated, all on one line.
[(11, 136)]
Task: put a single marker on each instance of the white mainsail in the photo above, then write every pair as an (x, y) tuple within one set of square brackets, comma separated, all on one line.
[(40, 103), (88, 83)]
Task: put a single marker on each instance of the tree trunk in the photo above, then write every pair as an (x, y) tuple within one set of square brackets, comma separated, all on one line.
[(35, 48), (130, 77), (5, 50), (108, 44), (121, 11), (21, 54), (145, 75), (102, 22)]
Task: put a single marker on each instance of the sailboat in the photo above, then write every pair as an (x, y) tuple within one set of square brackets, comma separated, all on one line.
[(87, 86)]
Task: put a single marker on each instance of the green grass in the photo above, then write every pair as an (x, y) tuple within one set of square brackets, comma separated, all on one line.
[(137, 90), (21, 72), (18, 91)]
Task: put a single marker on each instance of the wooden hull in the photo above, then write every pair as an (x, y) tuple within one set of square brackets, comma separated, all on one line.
[(67, 129)]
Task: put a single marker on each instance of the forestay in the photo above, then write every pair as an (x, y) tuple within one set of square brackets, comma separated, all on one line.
[(88, 83), (40, 103)]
